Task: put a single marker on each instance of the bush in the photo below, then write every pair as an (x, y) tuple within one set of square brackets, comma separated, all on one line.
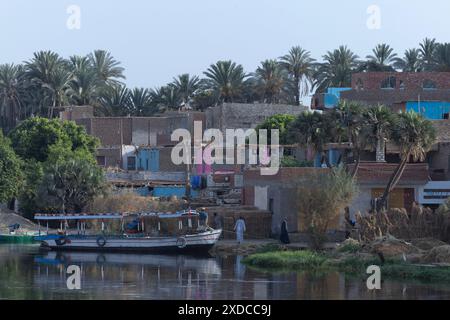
[(320, 200), (350, 246), (291, 162)]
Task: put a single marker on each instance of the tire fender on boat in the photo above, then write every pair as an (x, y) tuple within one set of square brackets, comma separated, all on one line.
[(181, 242), (101, 241)]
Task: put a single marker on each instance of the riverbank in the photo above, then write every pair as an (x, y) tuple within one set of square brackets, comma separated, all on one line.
[(8, 217), (412, 264)]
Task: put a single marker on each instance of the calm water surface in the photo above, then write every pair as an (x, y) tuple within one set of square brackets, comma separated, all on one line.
[(28, 273)]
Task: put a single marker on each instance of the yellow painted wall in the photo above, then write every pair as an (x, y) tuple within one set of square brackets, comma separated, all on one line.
[(396, 198)]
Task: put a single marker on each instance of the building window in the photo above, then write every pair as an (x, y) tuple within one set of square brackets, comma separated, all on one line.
[(131, 163), (429, 85), (446, 116), (402, 85), (101, 161), (389, 83)]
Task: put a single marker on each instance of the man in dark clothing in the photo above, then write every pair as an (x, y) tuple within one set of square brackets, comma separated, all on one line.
[(284, 236), (218, 221)]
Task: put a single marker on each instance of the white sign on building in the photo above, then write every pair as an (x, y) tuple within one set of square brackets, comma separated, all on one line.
[(434, 192)]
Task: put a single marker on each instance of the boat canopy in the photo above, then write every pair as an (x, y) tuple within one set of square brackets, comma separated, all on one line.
[(109, 216)]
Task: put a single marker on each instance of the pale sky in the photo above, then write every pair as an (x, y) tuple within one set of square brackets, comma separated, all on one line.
[(157, 40)]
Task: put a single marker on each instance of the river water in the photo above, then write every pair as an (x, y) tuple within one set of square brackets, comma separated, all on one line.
[(28, 273)]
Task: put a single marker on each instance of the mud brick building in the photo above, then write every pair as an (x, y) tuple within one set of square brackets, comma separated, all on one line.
[(246, 116), (425, 92)]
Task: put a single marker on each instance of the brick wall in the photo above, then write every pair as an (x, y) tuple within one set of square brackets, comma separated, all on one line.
[(239, 115), (411, 80)]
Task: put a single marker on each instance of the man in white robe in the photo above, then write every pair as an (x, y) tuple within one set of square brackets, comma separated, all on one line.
[(240, 229)]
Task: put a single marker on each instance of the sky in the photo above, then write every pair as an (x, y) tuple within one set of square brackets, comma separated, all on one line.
[(157, 40)]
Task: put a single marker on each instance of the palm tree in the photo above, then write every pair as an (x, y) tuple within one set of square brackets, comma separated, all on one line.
[(166, 97), (300, 66), (107, 68), (312, 131), (227, 79), (427, 53), (442, 57), (141, 102), (270, 78), (49, 71), (84, 85), (379, 122), (411, 62), (115, 101), (382, 58), (336, 70), (415, 135), (352, 121), (10, 95), (186, 86)]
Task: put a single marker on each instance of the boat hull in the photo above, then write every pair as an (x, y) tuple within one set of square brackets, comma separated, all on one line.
[(196, 243), (16, 239)]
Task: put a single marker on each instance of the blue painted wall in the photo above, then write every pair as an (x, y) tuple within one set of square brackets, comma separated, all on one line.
[(167, 191), (333, 157), (433, 110), (148, 160), (332, 97)]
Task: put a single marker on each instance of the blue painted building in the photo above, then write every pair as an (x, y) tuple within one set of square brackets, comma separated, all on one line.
[(148, 159), (333, 158), (332, 97), (433, 110)]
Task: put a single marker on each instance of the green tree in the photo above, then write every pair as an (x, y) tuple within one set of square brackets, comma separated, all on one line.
[(141, 103), (280, 122), (379, 123), (382, 59), (115, 101), (442, 57), (300, 66), (411, 61), (11, 95), (227, 79), (11, 176), (186, 86), (427, 54), (314, 131), (321, 198), (166, 97), (69, 183), (50, 73), (336, 70), (34, 137), (108, 70), (270, 78), (84, 85), (414, 135)]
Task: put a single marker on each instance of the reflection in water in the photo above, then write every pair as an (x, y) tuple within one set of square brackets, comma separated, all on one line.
[(26, 273)]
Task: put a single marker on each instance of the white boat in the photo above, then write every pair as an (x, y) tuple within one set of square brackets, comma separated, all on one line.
[(196, 239)]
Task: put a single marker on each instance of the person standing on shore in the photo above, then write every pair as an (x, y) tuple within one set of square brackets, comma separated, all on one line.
[(284, 236), (240, 229)]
